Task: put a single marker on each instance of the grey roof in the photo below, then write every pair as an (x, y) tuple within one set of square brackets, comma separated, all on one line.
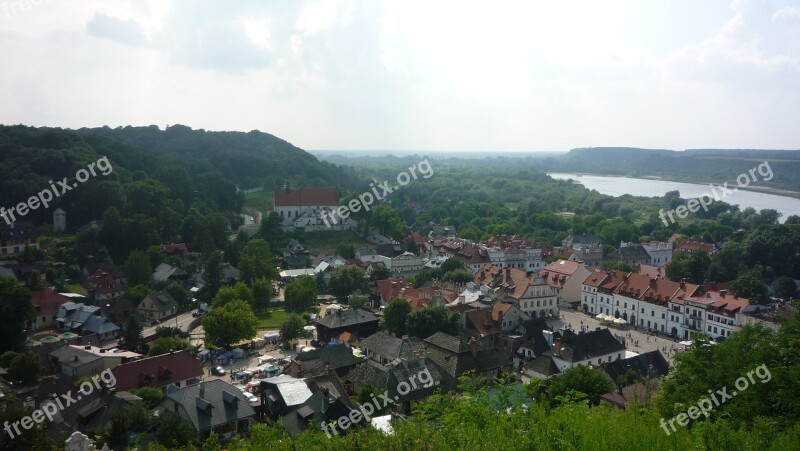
[(632, 252), (164, 271), (67, 354), (99, 325), (294, 391), (86, 317), (315, 410), (346, 318), (162, 301), (584, 238), (543, 365), (226, 402), (335, 357), (453, 355), (645, 366), (389, 378), (369, 372), (587, 345), (388, 346)]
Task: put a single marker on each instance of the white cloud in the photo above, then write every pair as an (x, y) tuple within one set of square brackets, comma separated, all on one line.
[(787, 12)]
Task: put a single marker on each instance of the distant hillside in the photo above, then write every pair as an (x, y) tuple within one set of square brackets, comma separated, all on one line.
[(250, 159), (696, 165)]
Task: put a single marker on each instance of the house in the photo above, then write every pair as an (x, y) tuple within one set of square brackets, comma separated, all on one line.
[(424, 297), (179, 368), (497, 324), (404, 265), (385, 348), (439, 232), (356, 321), (648, 302), (295, 255), (176, 249), (320, 361), (587, 348), (598, 288), (157, 306), (46, 304), (304, 207), (639, 393), (326, 404), (407, 381), (16, 237), (566, 278), (390, 250), (720, 316), (109, 268), (78, 361), (542, 367), (530, 293), (515, 251), (282, 394), (696, 246), (102, 286), (457, 355), (631, 254), (165, 271), (644, 366), (660, 252), (474, 256), (84, 319), (211, 406)]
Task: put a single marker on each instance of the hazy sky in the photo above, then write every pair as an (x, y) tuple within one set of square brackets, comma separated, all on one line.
[(415, 75)]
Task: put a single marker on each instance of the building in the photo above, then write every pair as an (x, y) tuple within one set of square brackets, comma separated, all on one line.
[(321, 361), (696, 246), (384, 348), (304, 207), (515, 251), (46, 304), (102, 286), (85, 319), (631, 254), (566, 278), (597, 290), (178, 368), (659, 251), (457, 355), (646, 302), (157, 306), (356, 321), (532, 294), (588, 348), (78, 361), (16, 237), (212, 406), (474, 256), (59, 220)]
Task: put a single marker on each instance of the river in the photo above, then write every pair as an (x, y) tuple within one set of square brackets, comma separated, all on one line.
[(618, 186)]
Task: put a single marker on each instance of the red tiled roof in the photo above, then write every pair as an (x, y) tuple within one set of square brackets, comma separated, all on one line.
[(104, 283), (307, 197), (389, 289), (176, 249), (47, 301), (723, 301), (514, 281), (692, 246), (158, 371)]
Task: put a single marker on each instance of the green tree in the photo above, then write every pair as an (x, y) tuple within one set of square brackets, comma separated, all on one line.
[(136, 293), (26, 367), (591, 382), (132, 333), (239, 291), (358, 300), (424, 322), (384, 218), (395, 316), (213, 273), (180, 294), (300, 293), (230, 323), (156, 255), (347, 279), (256, 261), (36, 282), (138, 269), (749, 285), (174, 432), (151, 396), (785, 287), (346, 250), (164, 345), (262, 292), (292, 327), (380, 272), (15, 309)]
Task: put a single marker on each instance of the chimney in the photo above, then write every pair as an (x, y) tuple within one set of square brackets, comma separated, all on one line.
[(557, 347), (653, 282), (202, 389), (325, 400), (473, 347), (722, 293)]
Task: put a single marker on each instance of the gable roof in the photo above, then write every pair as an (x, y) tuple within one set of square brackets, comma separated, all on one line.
[(631, 252), (587, 345), (543, 365), (453, 355), (346, 318), (158, 371), (388, 346), (212, 403), (648, 365), (162, 301)]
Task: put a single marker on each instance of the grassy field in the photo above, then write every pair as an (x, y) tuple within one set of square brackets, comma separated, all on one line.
[(271, 320), (76, 288), (325, 242), (258, 200)]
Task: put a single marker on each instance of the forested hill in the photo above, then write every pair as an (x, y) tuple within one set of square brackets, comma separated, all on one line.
[(153, 170), (696, 165), (251, 159)]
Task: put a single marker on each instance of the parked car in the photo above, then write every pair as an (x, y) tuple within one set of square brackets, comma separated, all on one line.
[(219, 371)]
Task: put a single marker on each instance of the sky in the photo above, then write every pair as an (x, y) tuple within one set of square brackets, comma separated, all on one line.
[(414, 75)]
